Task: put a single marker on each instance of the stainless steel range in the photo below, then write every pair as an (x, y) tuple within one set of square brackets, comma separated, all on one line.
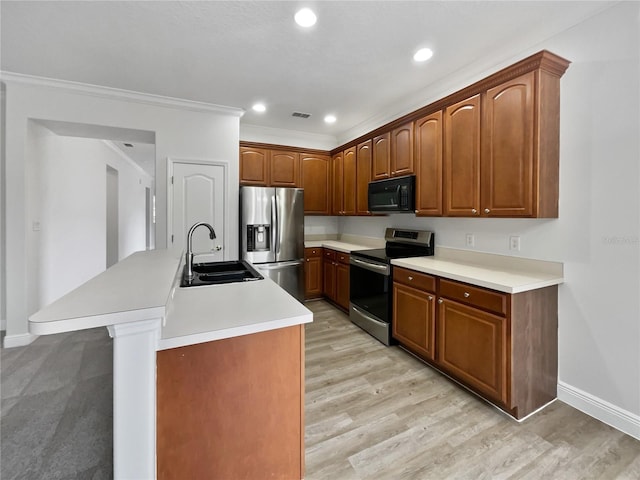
[(370, 284)]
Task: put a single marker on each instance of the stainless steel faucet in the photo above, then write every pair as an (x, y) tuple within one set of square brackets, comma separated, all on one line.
[(189, 254)]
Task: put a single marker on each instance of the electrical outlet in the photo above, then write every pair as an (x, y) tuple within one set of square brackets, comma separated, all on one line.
[(514, 243), (470, 240)]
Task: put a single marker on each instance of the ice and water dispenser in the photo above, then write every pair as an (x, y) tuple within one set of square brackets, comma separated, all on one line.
[(258, 238)]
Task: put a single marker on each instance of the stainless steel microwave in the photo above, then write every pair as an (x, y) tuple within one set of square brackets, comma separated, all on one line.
[(393, 195)]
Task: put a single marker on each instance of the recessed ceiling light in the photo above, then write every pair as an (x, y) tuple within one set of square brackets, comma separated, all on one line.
[(259, 107), (423, 55), (330, 119), (305, 17)]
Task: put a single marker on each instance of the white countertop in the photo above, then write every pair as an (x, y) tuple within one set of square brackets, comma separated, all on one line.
[(143, 287), (202, 314), (337, 245), (517, 277)]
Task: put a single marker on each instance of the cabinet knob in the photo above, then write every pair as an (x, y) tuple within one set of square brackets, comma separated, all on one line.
[(467, 294), (474, 211), (410, 278), (440, 300), (430, 297), (307, 259), (486, 210)]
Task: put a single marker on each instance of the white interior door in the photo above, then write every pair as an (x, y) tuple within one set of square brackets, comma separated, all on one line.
[(198, 196)]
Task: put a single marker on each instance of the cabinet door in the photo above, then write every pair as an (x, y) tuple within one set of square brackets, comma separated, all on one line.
[(342, 285), (507, 170), (363, 175), (472, 347), (428, 158), (336, 168), (402, 150), (381, 166), (349, 181), (329, 278), (284, 169), (312, 276), (462, 158), (414, 314), (254, 163), (316, 170)]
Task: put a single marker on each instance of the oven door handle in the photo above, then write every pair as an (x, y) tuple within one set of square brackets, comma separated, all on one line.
[(384, 269), (368, 317)]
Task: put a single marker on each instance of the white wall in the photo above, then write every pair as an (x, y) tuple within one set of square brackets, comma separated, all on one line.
[(597, 235), (3, 271), (182, 129), (69, 205)]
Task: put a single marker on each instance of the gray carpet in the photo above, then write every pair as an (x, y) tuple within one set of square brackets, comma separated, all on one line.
[(57, 408)]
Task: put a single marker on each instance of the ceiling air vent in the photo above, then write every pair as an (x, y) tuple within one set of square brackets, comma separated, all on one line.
[(300, 115)]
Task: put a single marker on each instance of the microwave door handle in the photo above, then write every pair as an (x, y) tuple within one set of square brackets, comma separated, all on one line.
[(398, 188)]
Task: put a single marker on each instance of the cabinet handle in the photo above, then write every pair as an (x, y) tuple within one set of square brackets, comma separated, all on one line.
[(430, 297), (467, 294), (410, 278), (474, 211), (486, 210), (440, 300)]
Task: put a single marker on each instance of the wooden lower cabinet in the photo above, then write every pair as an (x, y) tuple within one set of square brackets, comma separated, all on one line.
[(313, 273), (225, 412), (502, 346), (472, 346), (336, 277)]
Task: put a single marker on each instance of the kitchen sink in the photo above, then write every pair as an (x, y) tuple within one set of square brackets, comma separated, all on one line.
[(215, 273)]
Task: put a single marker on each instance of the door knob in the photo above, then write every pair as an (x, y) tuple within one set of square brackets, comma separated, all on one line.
[(218, 248)]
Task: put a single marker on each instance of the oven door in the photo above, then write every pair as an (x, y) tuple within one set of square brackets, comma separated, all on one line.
[(370, 297)]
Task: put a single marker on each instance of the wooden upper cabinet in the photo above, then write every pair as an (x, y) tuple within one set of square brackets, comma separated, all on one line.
[(363, 177), (462, 158), (381, 165), (336, 169), (428, 161), (254, 166), (284, 169), (349, 181), (402, 150), (316, 181)]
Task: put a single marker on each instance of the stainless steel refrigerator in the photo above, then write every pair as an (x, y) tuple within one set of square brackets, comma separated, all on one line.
[(272, 234)]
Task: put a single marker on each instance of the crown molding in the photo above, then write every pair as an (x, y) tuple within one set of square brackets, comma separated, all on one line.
[(118, 94), (280, 136)]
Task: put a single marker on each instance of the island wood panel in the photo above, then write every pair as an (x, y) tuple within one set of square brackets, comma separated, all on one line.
[(233, 408), (462, 158), (363, 177)]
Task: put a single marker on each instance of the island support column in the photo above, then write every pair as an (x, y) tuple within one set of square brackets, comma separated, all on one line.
[(134, 398)]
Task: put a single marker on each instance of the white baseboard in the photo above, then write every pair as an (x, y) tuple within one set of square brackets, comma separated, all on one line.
[(604, 411), (21, 340)]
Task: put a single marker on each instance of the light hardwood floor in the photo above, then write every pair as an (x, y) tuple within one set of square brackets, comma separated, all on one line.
[(375, 412)]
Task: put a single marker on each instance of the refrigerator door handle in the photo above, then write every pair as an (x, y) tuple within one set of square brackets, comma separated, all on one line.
[(275, 240), (279, 265)]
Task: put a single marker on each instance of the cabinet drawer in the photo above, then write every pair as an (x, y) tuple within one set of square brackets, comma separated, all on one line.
[(342, 257), (414, 279), (313, 252), (475, 296), (329, 254)]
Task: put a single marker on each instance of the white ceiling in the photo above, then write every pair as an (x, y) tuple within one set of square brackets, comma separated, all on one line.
[(356, 62)]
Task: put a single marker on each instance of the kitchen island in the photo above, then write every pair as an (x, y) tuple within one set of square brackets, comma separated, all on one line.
[(157, 325)]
